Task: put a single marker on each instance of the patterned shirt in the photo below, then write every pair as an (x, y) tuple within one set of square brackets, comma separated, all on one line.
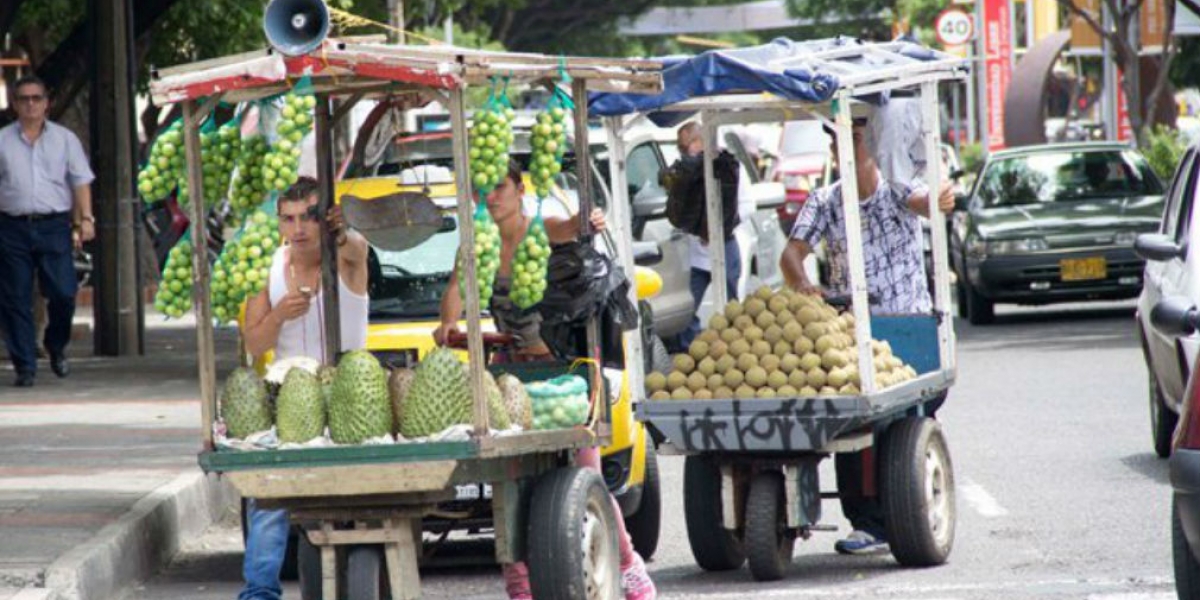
[(892, 254)]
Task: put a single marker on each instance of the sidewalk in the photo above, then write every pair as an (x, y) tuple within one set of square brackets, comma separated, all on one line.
[(98, 475)]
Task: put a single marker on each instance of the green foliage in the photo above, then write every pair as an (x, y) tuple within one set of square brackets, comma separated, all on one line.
[(971, 156), (1165, 147)]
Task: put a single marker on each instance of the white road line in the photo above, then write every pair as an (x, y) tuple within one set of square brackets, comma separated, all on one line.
[(984, 503)]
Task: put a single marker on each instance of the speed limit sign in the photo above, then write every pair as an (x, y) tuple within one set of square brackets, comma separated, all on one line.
[(954, 27)]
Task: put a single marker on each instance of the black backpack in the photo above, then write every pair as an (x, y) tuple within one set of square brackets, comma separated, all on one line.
[(686, 202)]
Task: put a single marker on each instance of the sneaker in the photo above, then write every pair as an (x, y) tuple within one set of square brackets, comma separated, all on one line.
[(516, 581), (636, 581), (861, 542)]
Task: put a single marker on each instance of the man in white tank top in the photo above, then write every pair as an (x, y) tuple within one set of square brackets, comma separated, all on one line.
[(287, 317)]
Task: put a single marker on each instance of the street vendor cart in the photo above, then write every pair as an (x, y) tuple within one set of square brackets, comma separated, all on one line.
[(751, 483), (361, 505)]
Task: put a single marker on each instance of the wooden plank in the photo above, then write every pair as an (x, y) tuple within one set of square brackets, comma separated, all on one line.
[(509, 513), (328, 565), (346, 537), (536, 441), (402, 560), (212, 63), (326, 173), (200, 293), (346, 480), (583, 175), (334, 508), (232, 460)]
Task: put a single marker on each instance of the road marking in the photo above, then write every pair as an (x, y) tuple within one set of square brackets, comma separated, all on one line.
[(984, 503)]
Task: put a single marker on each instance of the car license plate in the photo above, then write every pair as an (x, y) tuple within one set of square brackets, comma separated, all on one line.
[(467, 492), (1084, 269)]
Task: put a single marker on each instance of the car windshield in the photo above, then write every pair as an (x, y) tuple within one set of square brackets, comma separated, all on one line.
[(409, 284), (1046, 177)]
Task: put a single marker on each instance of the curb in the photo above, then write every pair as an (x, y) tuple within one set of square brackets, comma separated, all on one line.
[(136, 546)]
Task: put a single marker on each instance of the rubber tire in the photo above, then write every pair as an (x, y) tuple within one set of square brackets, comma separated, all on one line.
[(308, 562), (364, 569), (980, 310), (645, 525), (290, 571), (1162, 419), (960, 299), (555, 537), (769, 543), (1187, 570), (714, 547), (905, 505)]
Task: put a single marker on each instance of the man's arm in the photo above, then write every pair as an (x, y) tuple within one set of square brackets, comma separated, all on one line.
[(81, 213), (791, 263), (352, 260), (561, 230), (261, 329), (450, 310), (918, 201)]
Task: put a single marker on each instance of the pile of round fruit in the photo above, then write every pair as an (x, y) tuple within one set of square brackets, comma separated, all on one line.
[(281, 165), (164, 168), (244, 266), (774, 345), (249, 190), (174, 297), (219, 151), (529, 266), (549, 141), (491, 136), (559, 403), (487, 254)]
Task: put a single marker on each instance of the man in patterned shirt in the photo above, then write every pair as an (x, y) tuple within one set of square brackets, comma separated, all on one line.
[(895, 272)]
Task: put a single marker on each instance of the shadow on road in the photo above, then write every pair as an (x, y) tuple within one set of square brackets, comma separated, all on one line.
[(1054, 330), (817, 569), (1149, 465)]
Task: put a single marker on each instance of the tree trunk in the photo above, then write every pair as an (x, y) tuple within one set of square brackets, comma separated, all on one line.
[(1164, 64)]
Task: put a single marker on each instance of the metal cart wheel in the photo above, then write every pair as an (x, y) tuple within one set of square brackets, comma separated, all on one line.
[(714, 547), (572, 527), (364, 570), (769, 542), (917, 481), (646, 524)]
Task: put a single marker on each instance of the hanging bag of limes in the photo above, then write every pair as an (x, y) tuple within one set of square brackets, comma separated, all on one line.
[(490, 138), (174, 296), (219, 148), (165, 165), (249, 189), (282, 163), (529, 264), (244, 267)]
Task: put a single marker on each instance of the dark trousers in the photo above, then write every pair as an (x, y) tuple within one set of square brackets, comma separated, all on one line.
[(701, 279), (43, 247)]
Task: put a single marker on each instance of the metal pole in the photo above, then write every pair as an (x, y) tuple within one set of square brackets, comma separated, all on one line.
[(1109, 104), (117, 301), (201, 299), (716, 216), (332, 317), (583, 174), (937, 227), (956, 119), (981, 87), (468, 284), (854, 249)]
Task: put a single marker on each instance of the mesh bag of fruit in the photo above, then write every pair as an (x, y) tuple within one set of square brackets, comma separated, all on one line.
[(281, 165), (491, 137), (219, 149), (529, 264), (548, 142), (163, 168), (174, 296), (487, 252), (249, 190), (244, 267)]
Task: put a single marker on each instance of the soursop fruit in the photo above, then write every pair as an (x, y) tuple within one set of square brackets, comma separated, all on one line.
[(245, 405), (497, 413), (325, 376), (518, 402), (440, 396), (359, 408), (399, 383), (300, 408)]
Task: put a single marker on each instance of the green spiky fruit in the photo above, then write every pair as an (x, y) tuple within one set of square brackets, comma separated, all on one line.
[(359, 407), (497, 413), (440, 396), (245, 406), (300, 408), (399, 383)]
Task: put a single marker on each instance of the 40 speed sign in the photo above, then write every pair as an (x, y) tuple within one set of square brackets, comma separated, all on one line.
[(954, 27)]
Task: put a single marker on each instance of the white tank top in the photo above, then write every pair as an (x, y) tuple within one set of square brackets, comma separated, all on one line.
[(305, 336)]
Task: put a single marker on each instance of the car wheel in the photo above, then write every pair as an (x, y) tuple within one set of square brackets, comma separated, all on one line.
[(980, 310), (645, 525), (1162, 419), (1187, 570)]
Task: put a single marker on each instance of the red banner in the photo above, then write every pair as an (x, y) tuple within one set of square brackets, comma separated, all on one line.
[(1124, 127), (997, 48)]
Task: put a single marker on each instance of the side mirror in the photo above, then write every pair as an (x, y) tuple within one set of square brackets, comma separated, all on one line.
[(1175, 316), (649, 207), (962, 202), (647, 254), (1157, 247)]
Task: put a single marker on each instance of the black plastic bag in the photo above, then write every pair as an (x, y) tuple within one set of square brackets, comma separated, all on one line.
[(582, 282)]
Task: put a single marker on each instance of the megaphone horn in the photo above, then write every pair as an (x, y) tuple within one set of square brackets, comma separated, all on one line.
[(296, 27)]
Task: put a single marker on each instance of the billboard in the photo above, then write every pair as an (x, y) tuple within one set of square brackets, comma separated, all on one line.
[(997, 52)]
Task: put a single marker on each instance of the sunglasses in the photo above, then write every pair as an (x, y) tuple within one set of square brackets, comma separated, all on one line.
[(31, 99)]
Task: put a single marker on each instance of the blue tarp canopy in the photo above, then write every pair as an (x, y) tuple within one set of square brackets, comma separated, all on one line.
[(784, 68)]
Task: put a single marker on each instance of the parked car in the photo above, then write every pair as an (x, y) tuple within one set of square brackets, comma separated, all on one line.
[(1177, 317), (1169, 272), (1053, 223)]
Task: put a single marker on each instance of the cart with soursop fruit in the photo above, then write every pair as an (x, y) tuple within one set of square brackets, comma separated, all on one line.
[(362, 503), (780, 380)]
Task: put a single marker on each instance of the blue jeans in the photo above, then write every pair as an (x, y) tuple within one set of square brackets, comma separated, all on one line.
[(266, 547), (700, 281), (43, 248)]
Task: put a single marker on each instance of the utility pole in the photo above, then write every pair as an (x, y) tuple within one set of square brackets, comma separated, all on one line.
[(396, 20), (118, 298)]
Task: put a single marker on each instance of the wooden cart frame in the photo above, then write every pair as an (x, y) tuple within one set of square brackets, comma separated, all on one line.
[(744, 453), (383, 491)]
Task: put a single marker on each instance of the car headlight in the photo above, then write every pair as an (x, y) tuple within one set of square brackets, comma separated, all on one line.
[(1017, 246), (1125, 238)]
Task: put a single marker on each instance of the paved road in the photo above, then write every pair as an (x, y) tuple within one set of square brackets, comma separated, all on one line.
[(1060, 495)]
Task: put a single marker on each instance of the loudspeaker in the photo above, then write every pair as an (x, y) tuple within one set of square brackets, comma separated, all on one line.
[(296, 27)]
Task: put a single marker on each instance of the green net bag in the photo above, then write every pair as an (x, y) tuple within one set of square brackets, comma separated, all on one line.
[(219, 149), (243, 269), (282, 163), (174, 296), (487, 252), (249, 188), (529, 264), (165, 165), (549, 142), (491, 137)]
